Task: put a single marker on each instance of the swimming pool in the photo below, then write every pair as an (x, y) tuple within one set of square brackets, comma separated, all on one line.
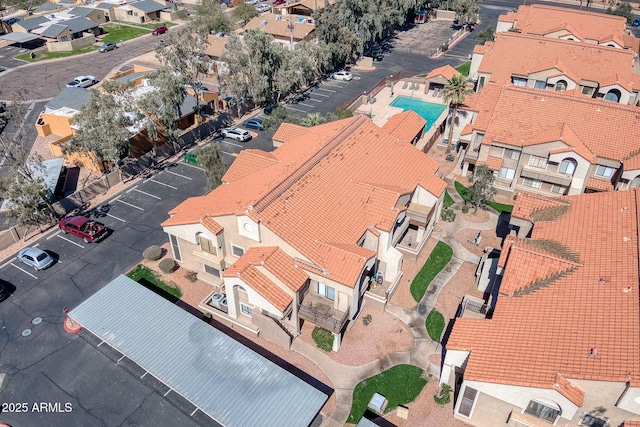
[(427, 110)]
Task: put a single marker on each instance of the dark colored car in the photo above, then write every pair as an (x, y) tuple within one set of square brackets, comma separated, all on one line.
[(81, 226), (160, 30), (255, 124), (279, 2), (636, 23), (375, 54), (269, 109), (106, 47)]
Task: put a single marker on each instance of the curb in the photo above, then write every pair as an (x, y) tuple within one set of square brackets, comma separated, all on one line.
[(71, 326)]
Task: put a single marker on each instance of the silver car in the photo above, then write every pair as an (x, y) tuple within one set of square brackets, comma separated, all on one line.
[(36, 258), (238, 134)]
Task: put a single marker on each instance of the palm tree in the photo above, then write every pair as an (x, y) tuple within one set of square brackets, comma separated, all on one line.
[(313, 119), (454, 94)]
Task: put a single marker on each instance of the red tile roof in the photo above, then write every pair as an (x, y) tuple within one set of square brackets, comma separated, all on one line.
[(252, 161), (598, 184), (494, 163), (260, 283), (405, 126), (580, 323), (326, 190), (211, 225), (446, 71)]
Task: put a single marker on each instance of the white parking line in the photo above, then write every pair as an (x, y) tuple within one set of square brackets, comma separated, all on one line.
[(71, 241), (130, 204), (315, 100), (232, 143), (321, 94), (24, 271), (295, 109), (148, 194), (177, 174), (306, 105), (333, 84), (115, 217), (131, 189), (326, 90), (8, 262), (53, 235), (162, 183), (230, 154), (182, 162)]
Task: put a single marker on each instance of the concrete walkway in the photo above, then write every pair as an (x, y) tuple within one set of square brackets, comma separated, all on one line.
[(345, 378)]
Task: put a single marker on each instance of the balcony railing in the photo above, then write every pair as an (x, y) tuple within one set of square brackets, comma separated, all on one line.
[(320, 311)]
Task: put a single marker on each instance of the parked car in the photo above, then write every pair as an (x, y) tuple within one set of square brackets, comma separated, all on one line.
[(82, 81), (252, 1), (279, 2), (107, 46), (81, 226), (4, 292), (239, 134), (262, 8), (36, 258), (160, 30), (253, 124), (375, 54), (269, 109), (636, 22), (342, 75)]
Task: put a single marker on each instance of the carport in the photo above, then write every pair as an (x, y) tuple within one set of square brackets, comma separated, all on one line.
[(19, 37), (224, 379)]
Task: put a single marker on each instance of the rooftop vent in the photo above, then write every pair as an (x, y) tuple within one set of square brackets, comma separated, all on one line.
[(593, 352), (601, 281), (627, 289)]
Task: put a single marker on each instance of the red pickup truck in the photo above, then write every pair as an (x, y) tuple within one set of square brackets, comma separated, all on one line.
[(81, 226)]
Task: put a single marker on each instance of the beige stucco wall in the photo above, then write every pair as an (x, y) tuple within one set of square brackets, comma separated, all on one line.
[(503, 26), (86, 40)]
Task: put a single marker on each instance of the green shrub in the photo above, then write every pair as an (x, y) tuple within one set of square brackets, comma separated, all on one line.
[(152, 253), (434, 325), (445, 47), (167, 265), (148, 279), (444, 395), (440, 256), (191, 276), (465, 209), (448, 215), (322, 338), (448, 200), (450, 157), (366, 320)]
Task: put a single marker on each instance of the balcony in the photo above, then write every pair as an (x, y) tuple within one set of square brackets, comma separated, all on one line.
[(473, 308), (546, 175), (319, 311)]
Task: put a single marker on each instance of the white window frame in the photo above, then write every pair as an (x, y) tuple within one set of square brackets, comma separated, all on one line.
[(604, 171), (175, 247), (212, 245), (570, 163), (558, 189), (538, 162), (519, 81), (246, 309), (533, 183), (463, 398), (582, 422), (509, 153), (233, 250), (326, 291), (539, 83), (538, 416), (219, 270), (507, 174)]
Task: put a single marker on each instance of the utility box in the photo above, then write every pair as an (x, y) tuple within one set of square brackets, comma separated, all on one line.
[(191, 158)]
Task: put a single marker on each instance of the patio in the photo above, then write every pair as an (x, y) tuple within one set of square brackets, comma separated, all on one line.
[(320, 311)]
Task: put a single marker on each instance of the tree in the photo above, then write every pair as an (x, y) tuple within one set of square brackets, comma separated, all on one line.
[(210, 158), (235, 76), (466, 11), (278, 116), (244, 12), (623, 9), (170, 93), (210, 18), (454, 94), (488, 34), (313, 119), (482, 190)]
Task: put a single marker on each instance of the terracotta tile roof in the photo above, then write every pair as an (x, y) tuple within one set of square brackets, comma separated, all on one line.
[(211, 225), (523, 55), (494, 163), (528, 204), (616, 79), (631, 424), (288, 131), (405, 126), (257, 281), (539, 20), (330, 185), (275, 261), (252, 161), (632, 163), (467, 129), (446, 71), (278, 26), (215, 46), (598, 184), (522, 117), (583, 324)]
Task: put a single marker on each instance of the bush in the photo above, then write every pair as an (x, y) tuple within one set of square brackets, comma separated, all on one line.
[(448, 215), (366, 320), (444, 395), (445, 47), (450, 157), (152, 253), (465, 209), (191, 276), (434, 325), (322, 338), (167, 265)]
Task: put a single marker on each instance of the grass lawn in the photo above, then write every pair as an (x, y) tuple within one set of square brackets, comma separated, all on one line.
[(435, 325), (145, 277), (322, 338), (464, 68), (53, 55), (440, 256), (151, 25), (117, 32), (498, 207), (399, 385), (448, 200)]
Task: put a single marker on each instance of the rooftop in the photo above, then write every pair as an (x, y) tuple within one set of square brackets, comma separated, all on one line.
[(278, 26)]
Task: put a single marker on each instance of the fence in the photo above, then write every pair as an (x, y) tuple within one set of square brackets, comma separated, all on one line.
[(367, 95)]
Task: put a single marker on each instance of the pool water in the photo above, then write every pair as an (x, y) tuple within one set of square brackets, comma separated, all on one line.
[(427, 110)]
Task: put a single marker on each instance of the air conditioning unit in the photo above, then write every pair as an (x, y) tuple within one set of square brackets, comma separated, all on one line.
[(278, 17)]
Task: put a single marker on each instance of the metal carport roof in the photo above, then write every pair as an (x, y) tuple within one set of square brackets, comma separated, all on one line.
[(19, 37), (230, 382)]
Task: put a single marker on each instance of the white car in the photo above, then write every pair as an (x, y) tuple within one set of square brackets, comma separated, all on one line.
[(263, 8), (343, 75), (238, 134), (82, 81), (252, 1)]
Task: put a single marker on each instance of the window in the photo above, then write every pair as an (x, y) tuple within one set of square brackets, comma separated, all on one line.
[(542, 411), (635, 182), (326, 291), (540, 84), (237, 250), (533, 183), (605, 171), (64, 38), (588, 90), (588, 420), (506, 173), (212, 270), (207, 246), (175, 247), (511, 154), (613, 95), (518, 81), (538, 162), (561, 85), (246, 309), (558, 189), (479, 138), (568, 166), (466, 403)]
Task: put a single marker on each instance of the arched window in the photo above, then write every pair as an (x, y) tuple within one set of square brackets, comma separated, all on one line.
[(568, 166), (635, 182), (613, 95), (561, 85)]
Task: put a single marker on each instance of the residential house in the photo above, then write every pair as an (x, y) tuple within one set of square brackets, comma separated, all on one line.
[(551, 142), (286, 30), (438, 78), (556, 64), (48, 8), (569, 24), (26, 25), (69, 29), (562, 346), (303, 232), (216, 44), (106, 8), (139, 12), (93, 13), (304, 7)]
